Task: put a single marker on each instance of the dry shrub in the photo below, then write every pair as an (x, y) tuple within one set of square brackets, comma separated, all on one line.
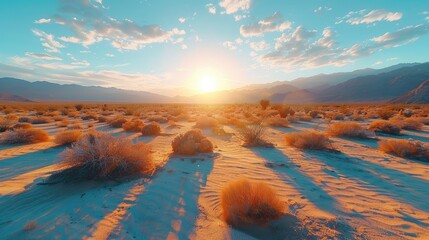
[(68, 137), (5, 124), (90, 116), (58, 118), (30, 226), (63, 123), (74, 125), (151, 129), (249, 202), (133, 126), (384, 126), (348, 129), (24, 119), (102, 119), (192, 142), (158, 119), (276, 122), (117, 122), (100, 156), (22, 125), (253, 136), (206, 122), (308, 140), (385, 114), (404, 148), (40, 120), (409, 124), (30, 135)]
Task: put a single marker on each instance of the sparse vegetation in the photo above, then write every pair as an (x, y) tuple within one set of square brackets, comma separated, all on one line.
[(308, 140), (348, 129), (404, 148), (264, 103), (117, 122), (385, 126), (254, 136), (151, 129), (248, 202), (21, 135), (192, 142), (68, 137)]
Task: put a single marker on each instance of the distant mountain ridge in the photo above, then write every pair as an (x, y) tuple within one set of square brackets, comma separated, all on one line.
[(7, 97), (417, 95), (381, 86)]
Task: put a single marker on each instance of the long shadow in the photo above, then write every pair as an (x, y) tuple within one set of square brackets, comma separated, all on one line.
[(291, 174), (169, 204), (386, 181), (15, 166), (407, 134)]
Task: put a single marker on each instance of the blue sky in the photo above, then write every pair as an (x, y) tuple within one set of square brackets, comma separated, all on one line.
[(171, 47)]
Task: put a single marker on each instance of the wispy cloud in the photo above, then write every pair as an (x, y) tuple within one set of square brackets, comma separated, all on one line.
[(48, 41), (233, 6), (272, 23), (365, 17), (43, 20), (44, 56), (211, 8)]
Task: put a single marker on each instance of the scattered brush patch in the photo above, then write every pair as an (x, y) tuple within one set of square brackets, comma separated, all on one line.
[(102, 119), (277, 122), (68, 137), (158, 119), (253, 136), (206, 122), (30, 226), (151, 129), (409, 124), (384, 126), (22, 125), (348, 129), (23, 119), (404, 148), (5, 124), (308, 140), (249, 202), (90, 116), (100, 156), (192, 142), (40, 120), (74, 125), (30, 135), (133, 126), (385, 114), (117, 122), (63, 123)]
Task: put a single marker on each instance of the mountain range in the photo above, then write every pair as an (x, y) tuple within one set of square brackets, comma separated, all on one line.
[(400, 83)]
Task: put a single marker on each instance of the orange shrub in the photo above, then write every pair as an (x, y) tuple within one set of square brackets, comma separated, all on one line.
[(206, 122), (248, 202), (40, 120), (277, 122), (192, 142), (152, 128), (30, 135), (409, 124), (348, 129), (385, 127), (117, 122), (307, 140), (100, 156), (253, 136), (23, 125), (68, 137), (404, 148), (133, 126)]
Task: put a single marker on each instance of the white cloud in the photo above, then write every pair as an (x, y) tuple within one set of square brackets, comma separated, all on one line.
[(182, 20), (230, 45), (269, 24), (322, 10), (233, 6), (402, 36), (365, 17), (48, 41), (43, 20), (211, 8), (43, 56), (259, 46)]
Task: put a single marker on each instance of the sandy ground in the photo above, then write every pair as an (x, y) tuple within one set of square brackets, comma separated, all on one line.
[(360, 193)]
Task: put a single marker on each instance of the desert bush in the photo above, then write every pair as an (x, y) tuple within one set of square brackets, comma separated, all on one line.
[(23, 119), (192, 142), (249, 202), (102, 119), (158, 119), (385, 127), (406, 112), (63, 123), (264, 103), (78, 107), (74, 125), (348, 129), (68, 137), (314, 114), (90, 116), (308, 140), (58, 118), (30, 226), (285, 111), (40, 120), (22, 125), (206, 122), (133, 126), (404, 148), (409, 124), (276, 122), (5, 124), (100, 156), (253, 136), (385, 114), (150, 129), (117, 122), (20, 135)]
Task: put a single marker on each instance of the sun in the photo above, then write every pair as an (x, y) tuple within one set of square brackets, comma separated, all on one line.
[(207, 83)]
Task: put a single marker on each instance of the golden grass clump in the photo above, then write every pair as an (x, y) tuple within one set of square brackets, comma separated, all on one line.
[(253, 136), (40, 120), (404, 148), (5, 124), (249, 202), (206, 122), (22, 125), (133, 126), (100, 156), (68, 137), (277, 122), (348, 129), (151, 129), (117, 122), (409, 124), (384, 126), (308, 140), (192, 142), (20, 135)]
